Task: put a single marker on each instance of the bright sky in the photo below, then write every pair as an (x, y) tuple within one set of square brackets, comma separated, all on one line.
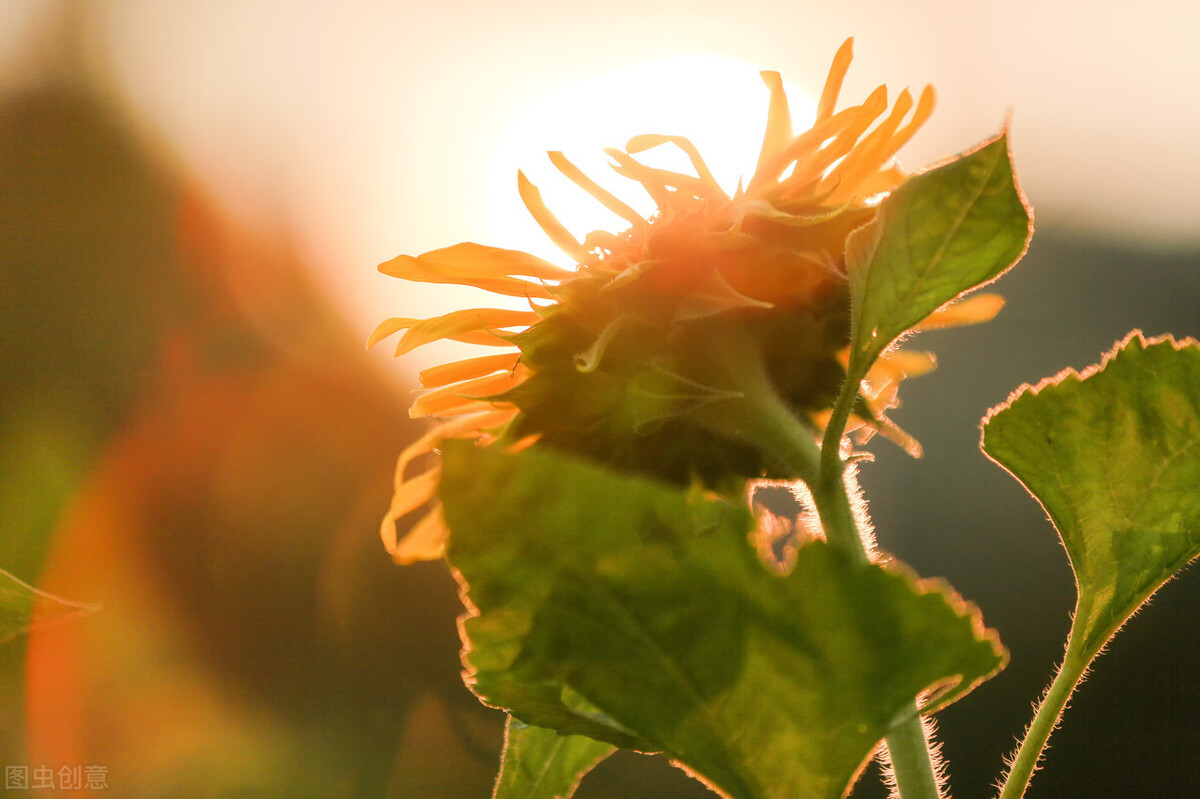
[(378, 128)]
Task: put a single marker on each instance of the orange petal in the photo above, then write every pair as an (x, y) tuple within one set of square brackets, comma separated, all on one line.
[(425, 541), (801, 147), (833, 83), (869, 154), (387, 328), (446, 400), (885, 180), (896, 365), (606, 198), (547, 221), (408, 497), (862, 177), (470, 264), (658, 182), (875, 104), (851, 124), (970, 311), (465, 427), (647, 140), (466, 369), (920, 117), (473, 325), (779, 121)]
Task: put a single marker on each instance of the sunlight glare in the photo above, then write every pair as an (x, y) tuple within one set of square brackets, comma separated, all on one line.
[(718, 103)]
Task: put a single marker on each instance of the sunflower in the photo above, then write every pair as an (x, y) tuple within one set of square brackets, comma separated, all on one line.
[(655, 353)]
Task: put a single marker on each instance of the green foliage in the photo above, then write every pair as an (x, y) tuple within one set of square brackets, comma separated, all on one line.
[(627, 611), (1113, 457), (940, 234), (541, 764)]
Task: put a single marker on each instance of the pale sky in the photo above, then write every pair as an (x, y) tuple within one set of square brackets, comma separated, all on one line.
[(378, 128)]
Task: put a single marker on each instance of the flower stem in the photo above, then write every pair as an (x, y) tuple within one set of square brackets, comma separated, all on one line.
[(1075, 663), (912, 762), (761, 417)]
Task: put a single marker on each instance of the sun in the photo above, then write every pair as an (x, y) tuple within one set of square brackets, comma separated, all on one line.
[(719, 103)]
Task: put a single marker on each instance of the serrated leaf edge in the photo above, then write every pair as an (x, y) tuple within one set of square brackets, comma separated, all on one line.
[(932, 696), (1071, 373)]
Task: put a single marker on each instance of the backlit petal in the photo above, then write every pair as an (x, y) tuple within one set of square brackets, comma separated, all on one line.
[(547, 221), (833, 82), (467, 369), (973, 310), (474, 325)]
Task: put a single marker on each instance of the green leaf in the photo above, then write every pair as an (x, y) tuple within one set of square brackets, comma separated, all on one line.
[(1113, 455), (941, 234), (23, 607), (612, 607), (541, 764)]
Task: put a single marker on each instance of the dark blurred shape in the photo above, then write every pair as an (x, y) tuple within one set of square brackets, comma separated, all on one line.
[(83, 237), (213, 451)]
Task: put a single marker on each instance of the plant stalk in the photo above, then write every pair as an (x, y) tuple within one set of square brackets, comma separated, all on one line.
[(912, 761), (1075, 663), (761, 417)]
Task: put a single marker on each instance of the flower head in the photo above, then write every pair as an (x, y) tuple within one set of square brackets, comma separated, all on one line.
[(643, 356)]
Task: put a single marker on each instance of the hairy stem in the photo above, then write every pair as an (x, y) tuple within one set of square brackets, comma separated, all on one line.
[(912, 762), (759, 416), (1024, 763)]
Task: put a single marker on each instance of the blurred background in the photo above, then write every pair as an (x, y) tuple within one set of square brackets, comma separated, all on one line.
[(193, 198)]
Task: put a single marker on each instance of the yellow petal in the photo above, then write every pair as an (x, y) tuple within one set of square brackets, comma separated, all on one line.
[(971, 311)]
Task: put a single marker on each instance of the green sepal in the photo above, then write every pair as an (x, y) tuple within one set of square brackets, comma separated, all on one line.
[(621, 609)]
